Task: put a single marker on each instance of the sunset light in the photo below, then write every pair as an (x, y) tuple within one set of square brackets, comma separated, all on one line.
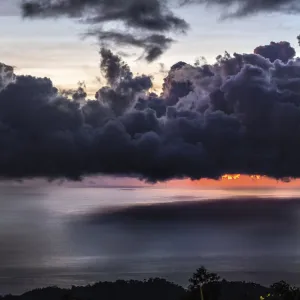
[(238, 176), (231, 176)]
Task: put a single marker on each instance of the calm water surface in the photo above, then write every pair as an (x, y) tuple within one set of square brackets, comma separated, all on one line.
[(64, 236)]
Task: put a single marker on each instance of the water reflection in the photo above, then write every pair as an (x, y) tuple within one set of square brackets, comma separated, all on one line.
[(74, 236)]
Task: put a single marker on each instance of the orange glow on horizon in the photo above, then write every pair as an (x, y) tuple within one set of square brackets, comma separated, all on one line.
[(231, 176), (255, 177), (234, 181), (238, 176)]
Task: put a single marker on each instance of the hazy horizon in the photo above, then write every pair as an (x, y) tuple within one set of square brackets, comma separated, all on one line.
[(66, 236)]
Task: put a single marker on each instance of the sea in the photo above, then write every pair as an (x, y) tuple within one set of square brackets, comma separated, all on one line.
[(64, 236)]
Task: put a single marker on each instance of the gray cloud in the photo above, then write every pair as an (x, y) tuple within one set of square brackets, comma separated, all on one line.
[(123, 90), (147, 20), (154, 45), (6, 75), (145, 23), (238, 115), (243, 8), (282, 51)]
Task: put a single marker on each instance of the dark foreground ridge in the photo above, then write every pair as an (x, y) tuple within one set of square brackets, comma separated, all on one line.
[(202, 282)]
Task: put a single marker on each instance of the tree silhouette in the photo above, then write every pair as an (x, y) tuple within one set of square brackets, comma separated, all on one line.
[(201, 277), (282, 290)]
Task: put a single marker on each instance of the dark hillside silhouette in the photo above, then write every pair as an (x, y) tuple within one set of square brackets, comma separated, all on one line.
[(160, 289)]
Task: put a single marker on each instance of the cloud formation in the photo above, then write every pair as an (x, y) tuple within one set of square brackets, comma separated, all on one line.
[(238, 115), (6, 75), (243, 8), (145, 22), (282, 51)]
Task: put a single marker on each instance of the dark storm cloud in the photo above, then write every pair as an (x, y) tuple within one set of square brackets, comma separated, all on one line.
[(238, 115), (242, 8), (124, 88), (147, 20), (113, 68), (154, 45), (282, 51), (145, 23), (173, 90), (150, 15)]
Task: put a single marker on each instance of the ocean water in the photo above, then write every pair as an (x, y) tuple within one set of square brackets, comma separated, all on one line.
[(74, 236)]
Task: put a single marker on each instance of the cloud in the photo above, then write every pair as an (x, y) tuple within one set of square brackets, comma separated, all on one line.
[(282, 51), (154, 45), (113, 67), (243, 8), (174, 89), (238, 115), (124, 89), (6, 75), (146, 22)]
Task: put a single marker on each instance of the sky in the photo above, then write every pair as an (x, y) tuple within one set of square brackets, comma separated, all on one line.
[(56, 49)]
